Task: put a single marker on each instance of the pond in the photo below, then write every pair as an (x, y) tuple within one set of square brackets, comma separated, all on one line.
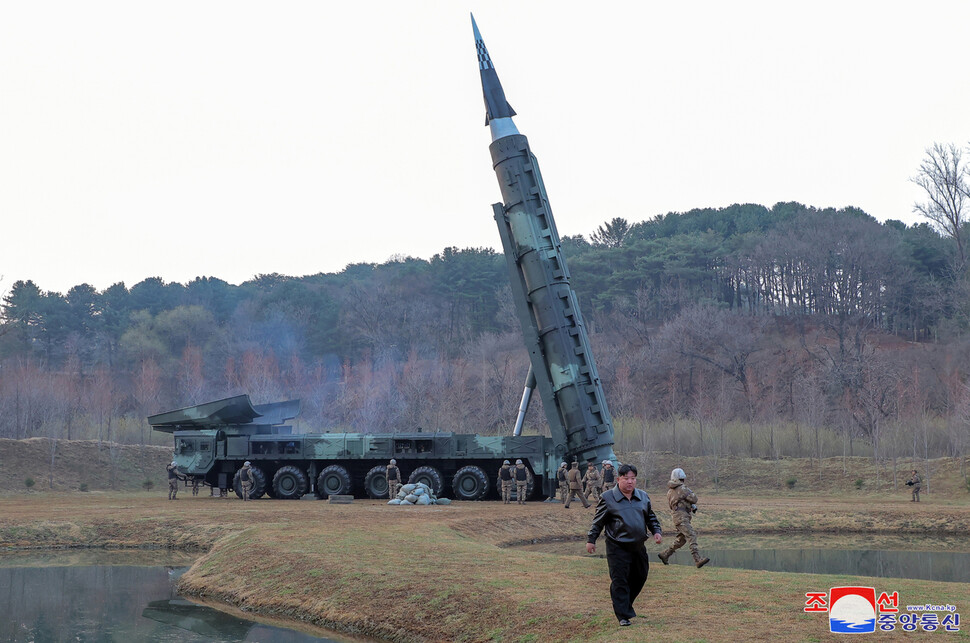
[(107, 596), (925, 557)]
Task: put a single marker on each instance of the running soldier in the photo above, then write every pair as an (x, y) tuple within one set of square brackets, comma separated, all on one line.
[(505, 480), (593, 482), (682, 503), (173, 480), (523, 477), (246, 479), (609, 475), (915, 482), (393, 479), (563, 483), (575, 479)]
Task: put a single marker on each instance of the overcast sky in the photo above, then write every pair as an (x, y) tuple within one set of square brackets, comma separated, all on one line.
[(230, 139)]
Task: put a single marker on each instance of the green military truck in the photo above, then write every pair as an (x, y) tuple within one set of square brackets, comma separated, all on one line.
[(213, 440)]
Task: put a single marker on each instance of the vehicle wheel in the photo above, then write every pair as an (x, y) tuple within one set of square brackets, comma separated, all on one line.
[(290, 483), (259, 483), (375, 482), (469, 483), (429, 476), (333, 481)]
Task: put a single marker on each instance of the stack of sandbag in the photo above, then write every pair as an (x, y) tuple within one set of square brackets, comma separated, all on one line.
[(417, 494)]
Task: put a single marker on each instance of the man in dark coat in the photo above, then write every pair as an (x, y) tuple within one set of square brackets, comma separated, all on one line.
[(628, 518)]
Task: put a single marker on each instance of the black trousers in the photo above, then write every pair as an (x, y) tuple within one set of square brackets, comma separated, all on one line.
[(628, 572)]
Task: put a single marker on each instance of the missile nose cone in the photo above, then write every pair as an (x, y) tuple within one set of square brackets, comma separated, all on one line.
[(496, 106)]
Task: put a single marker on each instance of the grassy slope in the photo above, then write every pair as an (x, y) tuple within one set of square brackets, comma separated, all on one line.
[(441, 573)]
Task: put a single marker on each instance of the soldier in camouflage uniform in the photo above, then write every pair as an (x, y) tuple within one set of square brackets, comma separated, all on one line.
[(505, 481), (915, 482), (523, 477), (682, 503), (393, 479), (563, 483), (195, 486), (609, 475), (593, 482), (173, 480), (246, 481), (575, 479)]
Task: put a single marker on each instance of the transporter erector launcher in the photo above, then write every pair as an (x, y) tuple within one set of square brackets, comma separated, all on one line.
[(562, 365)]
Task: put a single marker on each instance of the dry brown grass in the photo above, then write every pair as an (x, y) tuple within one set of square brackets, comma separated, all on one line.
[(441, 573)]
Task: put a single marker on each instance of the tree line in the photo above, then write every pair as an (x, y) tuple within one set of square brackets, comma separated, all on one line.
[(787, 330)]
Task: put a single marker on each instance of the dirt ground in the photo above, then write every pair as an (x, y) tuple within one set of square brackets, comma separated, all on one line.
[(444, 574)]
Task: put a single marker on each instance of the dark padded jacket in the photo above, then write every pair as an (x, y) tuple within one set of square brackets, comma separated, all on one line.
[(627, 522)]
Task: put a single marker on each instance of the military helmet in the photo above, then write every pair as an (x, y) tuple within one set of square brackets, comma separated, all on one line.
[(393, 461), (563, 465), (677, 474), (607, 462), (174, 463), (506, 462), (518, 461), (247, 463)]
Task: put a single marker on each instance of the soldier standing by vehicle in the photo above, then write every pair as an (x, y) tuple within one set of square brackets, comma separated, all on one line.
[(393, 479), (593, 482), (505, 478), (563, 483), (195, 485), (915, 482), (682, 503), (522, 479), (173, 480), (575, 486), (246, 479), (609, 475)]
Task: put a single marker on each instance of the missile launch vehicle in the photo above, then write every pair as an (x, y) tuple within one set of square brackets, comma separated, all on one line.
[(213, 440)]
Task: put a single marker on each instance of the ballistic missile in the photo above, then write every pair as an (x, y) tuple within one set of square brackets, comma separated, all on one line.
[(562, 363)]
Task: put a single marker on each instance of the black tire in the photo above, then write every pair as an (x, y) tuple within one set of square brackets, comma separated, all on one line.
[(259, 483), (429, 476), (375, 482), (290, 483), (469, 483), (333, 481)]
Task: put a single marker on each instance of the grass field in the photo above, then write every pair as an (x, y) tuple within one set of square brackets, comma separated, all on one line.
[(446, 573)]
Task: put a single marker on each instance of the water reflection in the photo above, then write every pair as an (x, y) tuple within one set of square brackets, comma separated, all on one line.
[(113, 603), (822, 554)]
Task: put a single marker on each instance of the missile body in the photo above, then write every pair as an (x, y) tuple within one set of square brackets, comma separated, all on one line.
[(555, 335)]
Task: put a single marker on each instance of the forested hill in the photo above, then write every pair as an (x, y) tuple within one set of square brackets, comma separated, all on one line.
[(758, 309)]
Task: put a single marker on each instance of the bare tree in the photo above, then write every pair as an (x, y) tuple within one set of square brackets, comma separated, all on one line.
[(946, 180)]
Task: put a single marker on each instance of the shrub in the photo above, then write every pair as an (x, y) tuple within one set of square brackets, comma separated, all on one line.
[(83, 486), (147, 485), (858, 483), (29, 483), (790, 483)]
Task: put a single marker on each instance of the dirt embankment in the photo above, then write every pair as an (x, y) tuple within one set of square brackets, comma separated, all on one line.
[(66, 465)]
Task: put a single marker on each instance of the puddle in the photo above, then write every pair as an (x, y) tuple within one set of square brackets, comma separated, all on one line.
[(944, 559), (118, 596)]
